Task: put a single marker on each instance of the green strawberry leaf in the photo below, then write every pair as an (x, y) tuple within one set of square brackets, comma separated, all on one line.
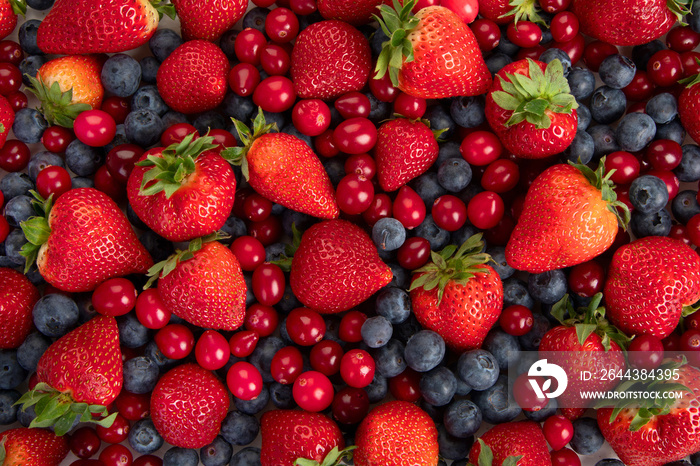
[(56, 106), (396, 23), (512, 460), (3, 452), (167, 9), (485, 455), (583, 331), (524, 10)]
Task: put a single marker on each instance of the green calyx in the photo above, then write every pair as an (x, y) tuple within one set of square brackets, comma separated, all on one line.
[(285, 262), (167, 9), (56, 106), (692, 80), (58, 409), (663, 381), (36, 229), (680, 8), (19, 7), (397, 23), (486, 456), (525, 10), (335, 457), (529, 98), (175, 163), (452, 265), (589, 320), (237, 155), (601, 181)]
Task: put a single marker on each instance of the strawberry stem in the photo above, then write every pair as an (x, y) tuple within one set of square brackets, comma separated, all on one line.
[(167, 9), (524, 10), (680, 8), (163, 268), (396, 23), (237, 155), (56, 106), (19, 7), (36, 229), (335, 457)]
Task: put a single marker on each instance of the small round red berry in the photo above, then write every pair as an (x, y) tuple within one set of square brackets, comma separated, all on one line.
[(151, 311), (244, 380), (175, 341), (558, 431), (312, 391), (95, 128), (516, 320), (114, 297), (212, 350)]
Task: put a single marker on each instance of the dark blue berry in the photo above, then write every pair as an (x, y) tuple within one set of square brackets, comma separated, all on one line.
[(581, 149), (376, 41), (121, 75), (581, 83), (547, 287), (83, 160), (149, 69), (495, 403), (532, 339), (500, 264), (163, 42), (40, 4), (376, 331), (378, 389), (19, 209), (177, 456), (281, 396), (29, 125), (607, 105), (504, 347), (227, 43), (604, 141), (239, 429), (164, 363), (406, 329), (41, 160), (468, 112), (8, 410), (143, 127), (255, 405), (685, 206), (610, 462), (587, 437), (648, 194), (15, 184), (554, 53), (262, 356), (144, 438), (31, 350), (635, 131), (652, 224), (27, 37), (436, 236), (13, 246), (617, 71), (148, 98), (292, 130), (440, 119), (140, 375), (448, 150), (394, 304), (378, 110), (255, 18), (478, 368), (462, 418), (662, 108), (249, 456), (428, 188), (389, 359), (541, 415), (424, 351), (132, 333), (217, 453), (451, 447), (55, 314), (642, 53), (672, 130), (438, 386), (158, 247), (335, 169), (29, 66), (583, 115), (496, 61), (388, 234), (505, 45), (454, 174), (171, 117), (687, 171), (11, 373), (515, 291)]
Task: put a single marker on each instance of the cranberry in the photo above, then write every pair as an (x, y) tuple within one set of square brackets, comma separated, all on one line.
[(682, 39), (287, 364), (500, 176), (256, 207), (645, 352), (325, 357), (406, 385), (10, 78), (114, 297), (84, 442), (487, 33), (379, 208), (564, 26), (353, 105), (275, 94), (408, 208), (116, 433), (281, 25), (485, 210), (558, 431), (133, 406), (249, 251), (449, 212), (243, 343), (244, 380), (362, 164), (176, 133), (357, 368), (413, 253), (311, 117), (524, 34), (481, 148), (587, 278), (14, 156), (175, 341), (261, 319), (409, 106), (268, 283), (664, 154), (121, 159), (243, 78), (53, 180), (354, 194), (351, 325), (248, 46), (151, 311), (350, 405), (596, 52), (116, 455), (312, 391), (11, 52), (516, 320), (665, 68), (274, 60), (305, 327), (212, 350), (355, 135)]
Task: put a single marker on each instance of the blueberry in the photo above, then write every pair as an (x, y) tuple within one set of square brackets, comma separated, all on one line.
[(132, 333), (13, 246), (144, 438), (143, 127), (500, 264), (376, 41), (378, 110), (41, 160), (262, 355), (171, 117), (653, 224), (11, 373), (300, 221), (581, 83), (148, 98), (376, 331), (149, 69), (583, 115), (389, 359), (554, 53), (459, 236), (462, 418), (468, 112), (83, 160), (121, 75), (617, 71), (140, 375), (19, 209), (27, 37), (679, 463), (505, 348), (532, 339), (541, 415), (685, 205), (478, 368), (495, 404), (687, 171), (648, 194), (164, 363), (587, 437), (435, 412), (394, 304), (693, 20), (642, 53), (672, 130), (635, 131), (177, 456), (607, 105), (29, 66), (454, 174), (15, 184), (209, 120), (428, 188), (547, 287), (440, 119), (249, 456), (40, 4), (82, 182), (255, 405), (217, 453), (506, 46), (8, 410), (581, 149), (436, 236), (255, 18), (438, 386), (249, 297), (451, 447), (158, 247), (695, 457), (239, 429), (55, 314), (406, 329), (424, 351), (163, 42), (29, 125), (335, 169), (227, 44), (281, 396), (515, 292), (31, 350), (388, 234), (496, 61), (25, 417), (448, 150), (604, 141), (378, 389), (662, 108)]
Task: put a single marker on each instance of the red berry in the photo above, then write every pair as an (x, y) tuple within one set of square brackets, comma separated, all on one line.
[(114, 297), (311, 117), (305, 327), (558, 431), (175, 341), (116, 433), (268, 283), (244, 380), (84, 442), (357, 368), (312, 391), (151, 311), (116, 455), (409, 106), (449, 212), (53, 180), (261, 319), (243, 78), (350, 326), (406, 385), (487, 33), (350, 405), (325, 357), (354, 194), (485, 210), (95, 128), (249, 251), (281, 25), (587, 278), (353, 105), (287, 364), (516, 320), (408, 208), (355, 136), (413, 253), (481, 148), (275, 94), (645, 352), (212, 350)]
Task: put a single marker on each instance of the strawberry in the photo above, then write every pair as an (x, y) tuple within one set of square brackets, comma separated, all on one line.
[(531, 109), (182, 191), (520, 443), (282, 443), (9, 9), (283, 168), (79, 375), (666, 429), (23, 446), (203, 285), (346, 62), (628, 22), (208, 19), (187, 406), (356, 13), (82, 240), (570, 216), (193, 78), (457, 295), (404, 150), (99, 26), (7, 118), (583, 342), (650, 283), (689, 106), (66, 86), (504, 11), (432, 54), (17, 298), (396, 433)]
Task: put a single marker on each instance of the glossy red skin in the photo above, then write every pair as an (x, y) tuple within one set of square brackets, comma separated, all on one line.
[(188, 405), (356, 13), (524, 139), (688, 108), (208, 20), (496, 10), (514, 439), (38, 447), (17, 299), (7, 117), (200, 206)]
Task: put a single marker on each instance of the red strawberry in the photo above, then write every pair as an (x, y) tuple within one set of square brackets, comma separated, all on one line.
[(689, 106), (336, 267), (345, 66), (203, 285), (208, 19), (457, 295), (99, 26), (523, 441), (182, 191), (7, 118), (17, 298), (9, 9), (668, 431), (649, 284), (628, 22), (83, 367), (82, 240), (283, 168), (570, 216), (505, 11), (187, 406), (584, 342), (36, 447), (531, 109), (193, 78), (405, 149), (356, 13), (438, 57), (282, 443), (396, 433)]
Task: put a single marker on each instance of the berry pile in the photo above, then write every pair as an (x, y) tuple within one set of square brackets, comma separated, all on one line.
[(319, 232)]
